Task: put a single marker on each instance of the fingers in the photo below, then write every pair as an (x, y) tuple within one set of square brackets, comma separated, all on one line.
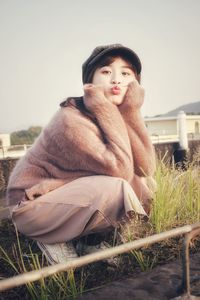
[(93, 95), (30, 194), (134, 87), (88, 86), (134, 84)]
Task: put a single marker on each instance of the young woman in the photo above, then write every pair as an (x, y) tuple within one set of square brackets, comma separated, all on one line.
[(91, 165)]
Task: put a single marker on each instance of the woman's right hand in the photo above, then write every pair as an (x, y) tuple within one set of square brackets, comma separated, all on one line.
[(93, 95), (37, 190)]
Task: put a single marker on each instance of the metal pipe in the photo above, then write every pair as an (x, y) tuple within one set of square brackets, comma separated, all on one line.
[(186, 260), (87, 259)]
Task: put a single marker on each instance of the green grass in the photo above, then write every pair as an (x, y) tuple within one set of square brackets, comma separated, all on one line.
[(177, 200), (176, 203), (59, 286)]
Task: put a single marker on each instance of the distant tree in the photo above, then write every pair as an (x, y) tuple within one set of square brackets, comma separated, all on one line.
[(22, 137), (156, 116), (34, 131), (193, 113)]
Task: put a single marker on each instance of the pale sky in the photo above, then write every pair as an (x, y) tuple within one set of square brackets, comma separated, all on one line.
[(43, 44)]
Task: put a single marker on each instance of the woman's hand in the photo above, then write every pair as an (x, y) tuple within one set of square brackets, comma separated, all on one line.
[(93, 95), (43, 187), (37, 190), (134, 97)]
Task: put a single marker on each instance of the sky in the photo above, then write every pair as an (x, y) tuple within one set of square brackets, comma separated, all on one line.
[(43, 44)]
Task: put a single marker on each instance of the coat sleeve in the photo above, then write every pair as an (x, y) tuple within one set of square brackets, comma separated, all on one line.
[(142, 148), (101, 147)]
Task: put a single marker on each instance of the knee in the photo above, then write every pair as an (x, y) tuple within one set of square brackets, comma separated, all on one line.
[(120, 180), (113, 184), (116, 179)]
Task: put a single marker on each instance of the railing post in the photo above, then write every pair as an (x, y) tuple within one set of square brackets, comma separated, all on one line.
[(181, 154), (3, 152), (185, 287), (182, 130)]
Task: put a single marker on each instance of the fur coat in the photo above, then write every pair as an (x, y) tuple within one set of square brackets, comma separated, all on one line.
[(88, 136)]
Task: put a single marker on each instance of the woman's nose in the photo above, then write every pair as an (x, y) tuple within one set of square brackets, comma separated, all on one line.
[(115, 81)]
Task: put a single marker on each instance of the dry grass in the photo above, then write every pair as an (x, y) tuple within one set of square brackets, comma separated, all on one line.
[(176, 203)]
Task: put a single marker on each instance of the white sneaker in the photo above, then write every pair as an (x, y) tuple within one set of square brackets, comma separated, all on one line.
[(86, 249), (58, 253)]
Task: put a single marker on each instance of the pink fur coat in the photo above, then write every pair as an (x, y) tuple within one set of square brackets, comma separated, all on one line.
[(102, 139)]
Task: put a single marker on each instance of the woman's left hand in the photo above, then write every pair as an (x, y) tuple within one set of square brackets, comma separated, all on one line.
[(37, 191), (134, 97), (43, 187)]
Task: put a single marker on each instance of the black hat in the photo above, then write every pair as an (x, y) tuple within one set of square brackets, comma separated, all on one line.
[(89, 65)]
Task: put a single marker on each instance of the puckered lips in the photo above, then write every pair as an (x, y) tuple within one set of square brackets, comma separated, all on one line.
[(116, 90)]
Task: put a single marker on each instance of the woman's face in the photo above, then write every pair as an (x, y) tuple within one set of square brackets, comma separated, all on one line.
[(114, 79)]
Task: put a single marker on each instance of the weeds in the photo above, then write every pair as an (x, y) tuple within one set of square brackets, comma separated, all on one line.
[(144, 261), (177, 200), (175, 203), (59, 286)]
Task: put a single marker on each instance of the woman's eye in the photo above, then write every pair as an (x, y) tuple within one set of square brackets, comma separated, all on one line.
[(125, 73), (106, 72)]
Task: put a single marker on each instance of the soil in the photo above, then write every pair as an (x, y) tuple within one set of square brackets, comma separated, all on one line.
[(96, 274)]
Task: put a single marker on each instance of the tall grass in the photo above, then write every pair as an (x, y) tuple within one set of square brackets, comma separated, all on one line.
[(58, 286), (175, 203), (177, 200)]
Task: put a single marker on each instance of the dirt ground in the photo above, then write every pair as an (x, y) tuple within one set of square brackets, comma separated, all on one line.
[(126, 282)]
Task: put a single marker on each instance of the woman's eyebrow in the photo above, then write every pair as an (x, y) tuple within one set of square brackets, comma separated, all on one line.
[(105, 66), (126, 66)]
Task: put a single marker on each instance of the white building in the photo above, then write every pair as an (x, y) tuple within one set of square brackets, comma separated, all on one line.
[(5, 140), (167, 128)]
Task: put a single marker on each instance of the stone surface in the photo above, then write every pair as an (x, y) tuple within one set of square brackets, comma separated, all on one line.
[(162, 283), (4, 210), (4, 213)]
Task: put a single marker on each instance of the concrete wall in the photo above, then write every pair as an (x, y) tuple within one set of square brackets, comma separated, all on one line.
[(193, 127), (171, 151), (5, 140), (6, 166), (169, 125), (162, 127)]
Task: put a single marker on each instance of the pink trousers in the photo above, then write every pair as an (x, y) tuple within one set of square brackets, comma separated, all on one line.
[(84, 206)]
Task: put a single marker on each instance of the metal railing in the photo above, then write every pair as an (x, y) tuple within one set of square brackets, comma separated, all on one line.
[(170, 138), (19, 150), (159, 139), (13, 151), (190, 231)]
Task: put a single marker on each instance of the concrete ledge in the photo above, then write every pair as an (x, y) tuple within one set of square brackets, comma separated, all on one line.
[(4, 213), (162, 283)]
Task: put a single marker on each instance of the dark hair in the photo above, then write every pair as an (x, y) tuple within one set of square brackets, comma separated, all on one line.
[(78, 103), (106, 60), (113, 50)]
